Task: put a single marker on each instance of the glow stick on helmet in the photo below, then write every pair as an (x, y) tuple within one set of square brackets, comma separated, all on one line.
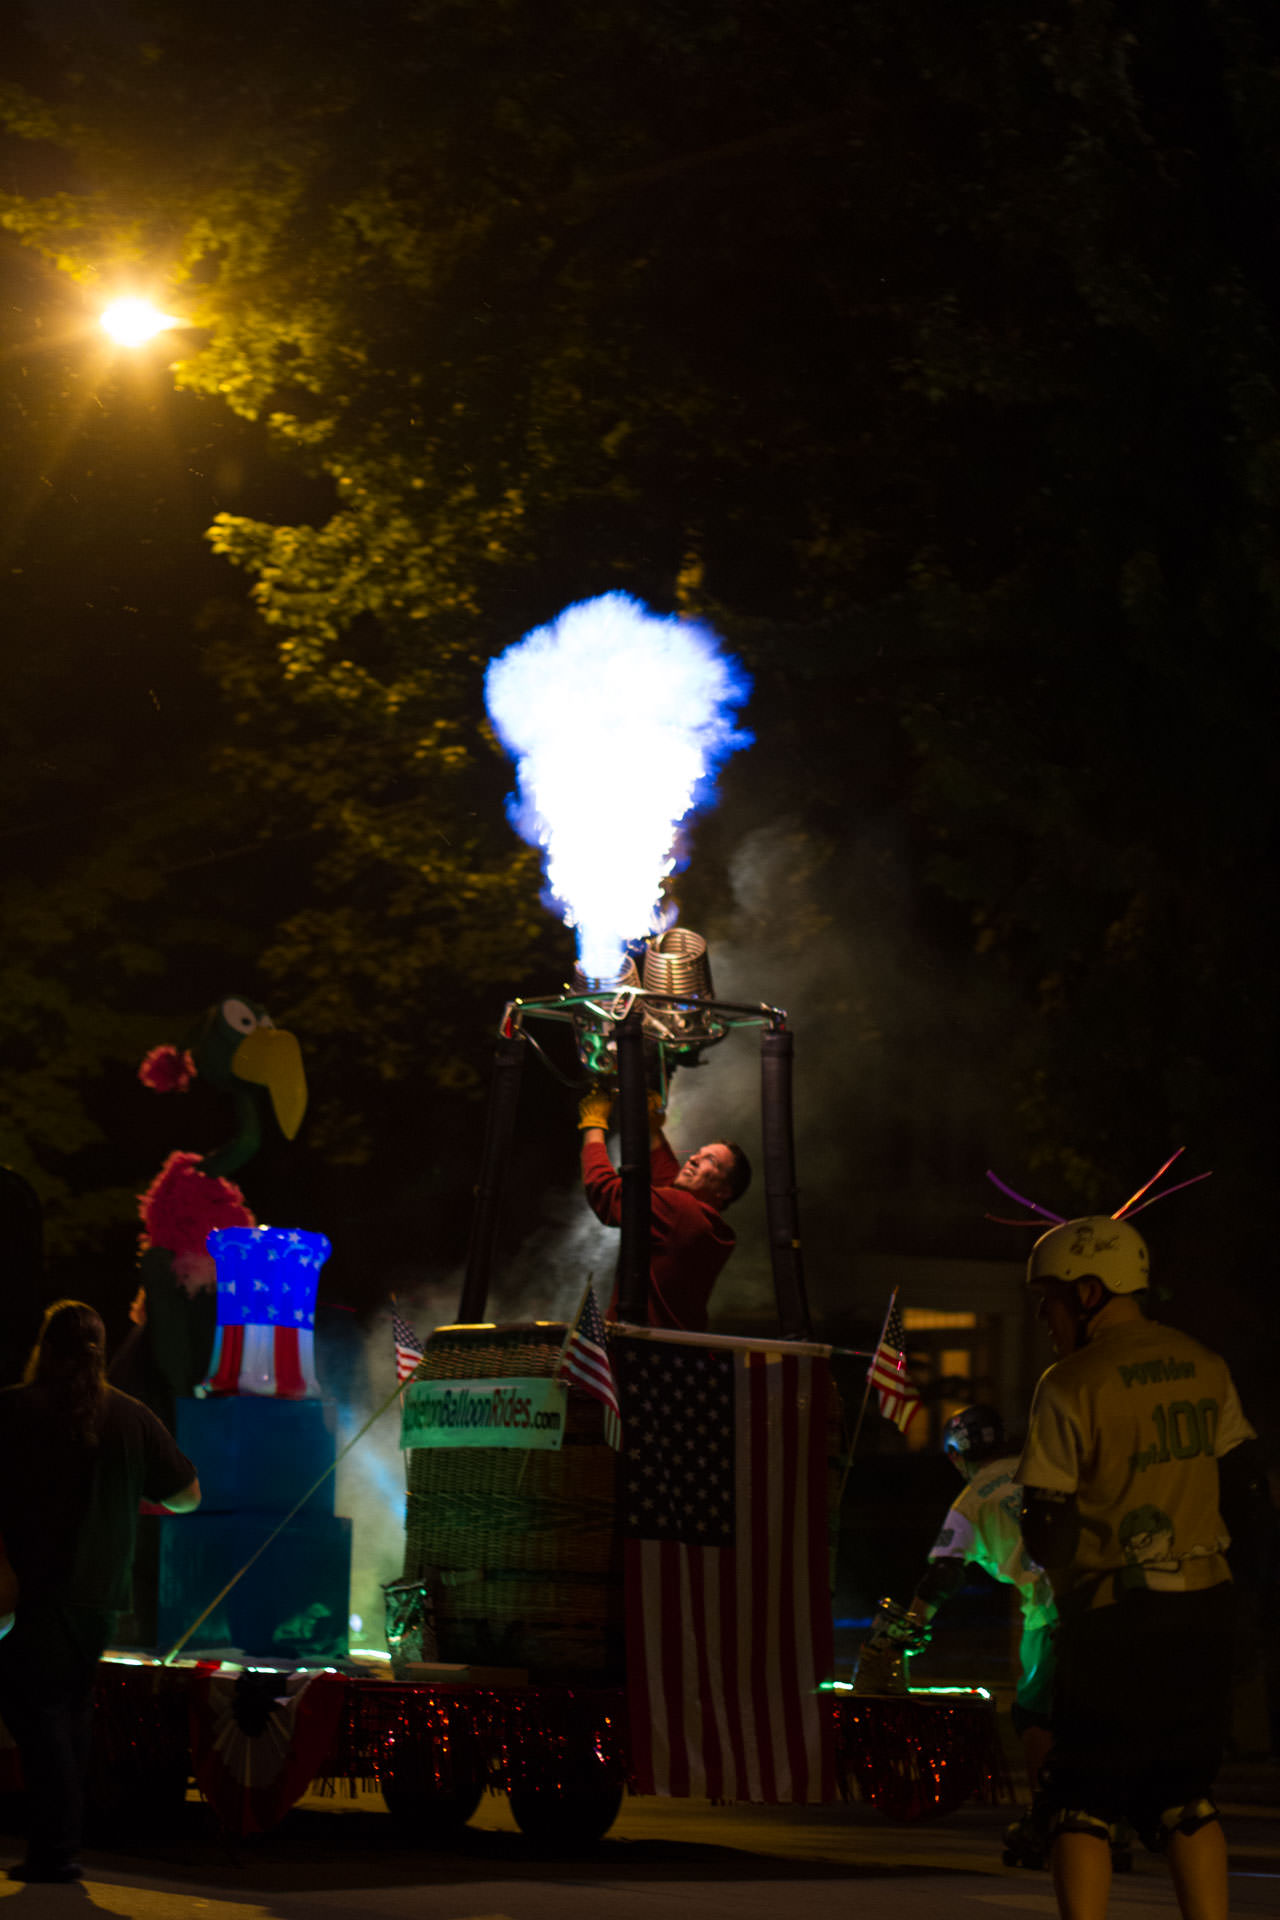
[(1022, 1201), (1121, 1213), (1133, 1199)]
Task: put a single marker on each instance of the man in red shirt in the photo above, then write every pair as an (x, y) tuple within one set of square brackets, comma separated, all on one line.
[(690, 1240)]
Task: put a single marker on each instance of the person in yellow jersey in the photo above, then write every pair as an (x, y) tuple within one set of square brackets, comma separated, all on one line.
[(1123, 1506)]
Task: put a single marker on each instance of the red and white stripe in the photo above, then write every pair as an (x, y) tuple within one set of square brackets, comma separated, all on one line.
[(727, 1645), (895, 1389), (586, 1359), (274, 1362)]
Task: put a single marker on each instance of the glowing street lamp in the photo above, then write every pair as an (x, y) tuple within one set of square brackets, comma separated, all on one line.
[(131, 323)]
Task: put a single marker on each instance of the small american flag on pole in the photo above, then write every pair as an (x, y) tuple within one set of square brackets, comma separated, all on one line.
[(409, 1348), (585, 1358), (728, 1607), (895, 1390)]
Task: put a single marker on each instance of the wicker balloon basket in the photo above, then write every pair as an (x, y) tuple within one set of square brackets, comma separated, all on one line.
[(514, 1559), (519, 1553)]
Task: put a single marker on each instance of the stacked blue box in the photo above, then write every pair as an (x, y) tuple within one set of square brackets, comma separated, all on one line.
[(292, 1604), (256, 1457)]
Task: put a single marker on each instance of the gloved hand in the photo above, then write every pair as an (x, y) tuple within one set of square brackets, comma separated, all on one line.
[(657, 1112), (893, 1626), (595, 1108)]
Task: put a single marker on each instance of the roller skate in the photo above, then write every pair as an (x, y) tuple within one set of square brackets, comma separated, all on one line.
[(1026, 1842)]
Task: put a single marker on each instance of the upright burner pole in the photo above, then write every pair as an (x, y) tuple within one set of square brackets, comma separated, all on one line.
[(781, 1208), (499, 1130), (633, 1122)]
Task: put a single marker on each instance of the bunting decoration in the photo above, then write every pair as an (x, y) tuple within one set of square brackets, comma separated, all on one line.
[(259, 1738)]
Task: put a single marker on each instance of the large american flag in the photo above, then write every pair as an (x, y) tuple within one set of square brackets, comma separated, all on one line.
[(408, 1347), (585, 1358), (894, 1386), (728, 1605)]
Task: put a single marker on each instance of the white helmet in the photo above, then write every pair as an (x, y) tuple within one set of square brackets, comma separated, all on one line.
[(1096, 1247)]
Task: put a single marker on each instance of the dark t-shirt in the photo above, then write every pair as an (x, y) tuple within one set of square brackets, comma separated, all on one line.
[(68, 1511)]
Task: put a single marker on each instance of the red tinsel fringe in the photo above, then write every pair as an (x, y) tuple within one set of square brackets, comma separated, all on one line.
[(447, 1740), (911, 1758), (915, 1759)]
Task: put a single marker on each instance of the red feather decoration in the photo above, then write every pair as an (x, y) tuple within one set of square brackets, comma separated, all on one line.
[(165, 1070), (181, 1208)]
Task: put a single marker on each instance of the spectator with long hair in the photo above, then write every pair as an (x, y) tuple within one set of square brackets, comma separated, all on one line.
[(75, 1458)]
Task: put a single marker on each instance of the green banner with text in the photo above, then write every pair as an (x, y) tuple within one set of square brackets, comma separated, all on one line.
[(483, 1413)]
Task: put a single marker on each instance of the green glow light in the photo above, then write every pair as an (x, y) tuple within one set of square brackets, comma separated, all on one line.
[(912, 1693)]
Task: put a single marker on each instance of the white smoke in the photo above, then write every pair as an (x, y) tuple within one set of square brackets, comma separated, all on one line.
[(618, 720)]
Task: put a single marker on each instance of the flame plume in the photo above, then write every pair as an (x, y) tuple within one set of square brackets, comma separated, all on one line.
[(618, 720)]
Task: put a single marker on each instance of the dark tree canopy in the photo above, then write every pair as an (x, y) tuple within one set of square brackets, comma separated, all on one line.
[(931, 354)]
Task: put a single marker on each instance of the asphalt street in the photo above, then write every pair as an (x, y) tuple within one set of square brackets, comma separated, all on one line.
[(343, 1857)]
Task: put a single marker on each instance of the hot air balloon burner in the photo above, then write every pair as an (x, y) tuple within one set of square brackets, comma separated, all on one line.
[(668, 977)]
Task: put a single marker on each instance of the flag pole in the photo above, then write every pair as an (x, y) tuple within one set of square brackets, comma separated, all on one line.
[(866, 1395)]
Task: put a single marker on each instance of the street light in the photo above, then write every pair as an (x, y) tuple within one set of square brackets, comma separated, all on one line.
[(132, 322)]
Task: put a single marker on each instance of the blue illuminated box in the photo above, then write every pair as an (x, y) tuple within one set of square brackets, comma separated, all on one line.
[(256, 1455), (293, 1603)]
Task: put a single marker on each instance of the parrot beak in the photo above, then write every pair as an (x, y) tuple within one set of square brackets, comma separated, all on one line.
[(271, 1058)]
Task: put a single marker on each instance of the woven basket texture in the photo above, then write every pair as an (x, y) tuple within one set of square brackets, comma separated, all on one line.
[(523, 1549)]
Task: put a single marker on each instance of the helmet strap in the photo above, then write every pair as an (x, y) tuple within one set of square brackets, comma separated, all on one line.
[(1085, 1316)]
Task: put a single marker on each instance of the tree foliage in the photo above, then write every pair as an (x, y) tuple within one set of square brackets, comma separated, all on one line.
[(932, 354)]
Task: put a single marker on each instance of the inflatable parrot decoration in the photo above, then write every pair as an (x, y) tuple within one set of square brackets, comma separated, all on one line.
[(240, 1051)]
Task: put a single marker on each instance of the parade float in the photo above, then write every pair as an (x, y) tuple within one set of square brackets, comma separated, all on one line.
[(619, 1539)]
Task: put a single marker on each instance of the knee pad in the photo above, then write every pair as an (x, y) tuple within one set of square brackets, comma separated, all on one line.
[(1187, 1819), (1079, 1820)]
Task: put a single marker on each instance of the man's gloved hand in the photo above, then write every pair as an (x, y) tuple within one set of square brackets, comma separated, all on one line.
[(657, 1112), (595, 1108)]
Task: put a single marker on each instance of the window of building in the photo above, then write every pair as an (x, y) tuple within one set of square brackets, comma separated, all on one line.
[(953, 1358)]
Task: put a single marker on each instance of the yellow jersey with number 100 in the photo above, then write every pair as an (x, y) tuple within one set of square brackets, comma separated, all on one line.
[(1134, 1425)]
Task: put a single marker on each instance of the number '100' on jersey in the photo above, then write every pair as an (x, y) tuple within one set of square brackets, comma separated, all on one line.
[(1134, 1425)]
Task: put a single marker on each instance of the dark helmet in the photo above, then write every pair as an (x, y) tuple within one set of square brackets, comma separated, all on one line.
[(973, 1434)]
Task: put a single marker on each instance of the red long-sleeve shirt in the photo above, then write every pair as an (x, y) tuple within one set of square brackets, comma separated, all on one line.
[(689, 1240)]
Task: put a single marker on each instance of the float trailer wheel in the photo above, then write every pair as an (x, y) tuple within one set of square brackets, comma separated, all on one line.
[(425, 1814), (565, 1820)]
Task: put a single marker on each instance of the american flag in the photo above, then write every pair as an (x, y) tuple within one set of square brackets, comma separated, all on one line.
[(728, 1605), (895, 1391), (408, 1347), (585, 1358)]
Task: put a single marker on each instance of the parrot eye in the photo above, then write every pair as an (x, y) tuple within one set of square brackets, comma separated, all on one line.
[(239, 1016)]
